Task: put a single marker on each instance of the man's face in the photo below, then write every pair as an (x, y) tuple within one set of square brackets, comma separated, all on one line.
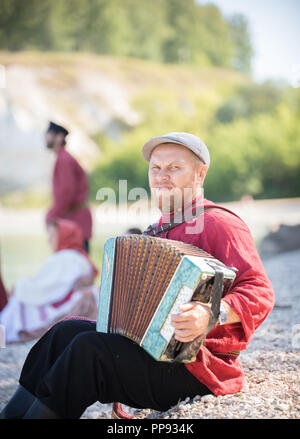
[(50, 139), (175, 174), (54, 140)]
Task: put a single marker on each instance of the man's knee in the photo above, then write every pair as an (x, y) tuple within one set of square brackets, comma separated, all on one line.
[(86, 340), (101, 344), (68, 329)]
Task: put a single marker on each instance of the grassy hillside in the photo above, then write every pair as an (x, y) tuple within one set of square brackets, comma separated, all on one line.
[(112, 105), (134, 73), (100, 99)]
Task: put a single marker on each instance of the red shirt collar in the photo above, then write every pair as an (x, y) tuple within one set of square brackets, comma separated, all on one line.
[(198, 201)]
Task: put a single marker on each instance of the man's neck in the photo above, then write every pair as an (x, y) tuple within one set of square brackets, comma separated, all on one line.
[(57, 149), (169, 214)]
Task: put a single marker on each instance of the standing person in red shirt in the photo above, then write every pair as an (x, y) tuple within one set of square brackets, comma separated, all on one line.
[(69, 185), (73, 366), (3, 293)]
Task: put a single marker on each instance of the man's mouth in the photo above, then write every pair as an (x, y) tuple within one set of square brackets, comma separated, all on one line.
[(161, 188)]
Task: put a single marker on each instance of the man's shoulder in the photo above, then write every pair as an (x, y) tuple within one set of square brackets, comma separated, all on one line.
[(64, 158), (222, 217)]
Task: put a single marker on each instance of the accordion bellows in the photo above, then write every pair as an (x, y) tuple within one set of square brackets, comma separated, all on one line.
[(143, 281)]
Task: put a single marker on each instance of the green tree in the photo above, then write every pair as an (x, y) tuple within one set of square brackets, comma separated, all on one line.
[(21, 23), (242, 47), (250, 99), (172, 31)]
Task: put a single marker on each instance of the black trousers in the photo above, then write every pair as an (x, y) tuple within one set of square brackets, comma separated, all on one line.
[(72, 366)]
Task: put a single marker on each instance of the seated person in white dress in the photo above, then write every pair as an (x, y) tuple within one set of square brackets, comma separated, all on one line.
[(63, 286)]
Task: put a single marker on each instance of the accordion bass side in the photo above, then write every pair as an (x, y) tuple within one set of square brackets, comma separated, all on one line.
[(144, 280)]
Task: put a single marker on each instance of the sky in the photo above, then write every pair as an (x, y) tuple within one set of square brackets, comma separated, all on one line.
[(275, 35)]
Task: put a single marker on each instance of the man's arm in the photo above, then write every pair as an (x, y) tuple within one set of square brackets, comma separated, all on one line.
[(193, 320), (64, 188), (251, 297), (233, 317)]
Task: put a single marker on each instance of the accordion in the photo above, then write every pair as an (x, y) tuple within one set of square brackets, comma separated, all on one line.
[(144, 280)]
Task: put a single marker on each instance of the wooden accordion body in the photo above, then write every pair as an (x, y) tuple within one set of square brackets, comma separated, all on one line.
[(143, 281)]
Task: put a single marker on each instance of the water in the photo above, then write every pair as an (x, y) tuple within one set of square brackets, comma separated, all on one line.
[(22, 255), (24, 245)]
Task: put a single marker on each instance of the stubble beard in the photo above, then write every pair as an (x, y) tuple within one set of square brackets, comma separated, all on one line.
[(172, 201)]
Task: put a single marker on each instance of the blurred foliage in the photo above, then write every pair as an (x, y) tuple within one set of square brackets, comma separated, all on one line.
[(242, 49), (252, 130), (172, 31), (256, 152), (250, 99), (30, 198)]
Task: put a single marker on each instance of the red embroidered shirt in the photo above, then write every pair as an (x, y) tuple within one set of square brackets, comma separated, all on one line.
[(228, 239)]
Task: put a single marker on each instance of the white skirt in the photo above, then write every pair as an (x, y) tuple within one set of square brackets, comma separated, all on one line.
[(19, 317)]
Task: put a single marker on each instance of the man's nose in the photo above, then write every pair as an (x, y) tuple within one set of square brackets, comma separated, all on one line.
[(163, 175)]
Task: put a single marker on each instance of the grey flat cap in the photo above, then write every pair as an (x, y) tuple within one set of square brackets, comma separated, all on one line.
[(190, 141)]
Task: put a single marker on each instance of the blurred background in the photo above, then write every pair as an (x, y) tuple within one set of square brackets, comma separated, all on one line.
[(116, 72)]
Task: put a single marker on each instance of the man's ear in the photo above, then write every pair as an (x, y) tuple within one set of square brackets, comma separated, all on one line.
[(201, 174)]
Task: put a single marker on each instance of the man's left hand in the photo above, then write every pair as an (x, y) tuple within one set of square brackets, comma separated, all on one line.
[(191, 322)]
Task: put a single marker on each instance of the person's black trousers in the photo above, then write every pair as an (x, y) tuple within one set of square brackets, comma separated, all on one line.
[(72, 366)]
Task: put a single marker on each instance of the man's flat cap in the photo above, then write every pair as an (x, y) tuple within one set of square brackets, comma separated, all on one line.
[(190, 141)]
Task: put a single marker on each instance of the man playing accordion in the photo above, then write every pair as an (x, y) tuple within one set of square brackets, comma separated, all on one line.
[(72, 366)]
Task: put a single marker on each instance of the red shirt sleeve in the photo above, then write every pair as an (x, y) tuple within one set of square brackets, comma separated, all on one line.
[(251, 295), (64, 188)]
